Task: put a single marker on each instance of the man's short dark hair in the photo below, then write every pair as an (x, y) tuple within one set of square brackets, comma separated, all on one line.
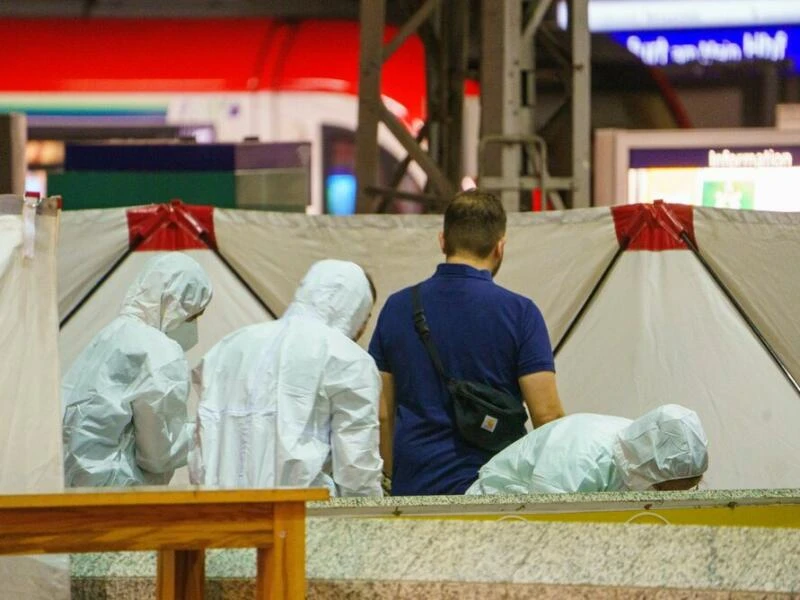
[(473, 223)]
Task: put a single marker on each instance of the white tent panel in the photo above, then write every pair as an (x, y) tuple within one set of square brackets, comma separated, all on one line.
[(661, 331), (554, 264), (30, 430), (89, 243), (555, 258), (272, 251), (29, 382), (757, 256)]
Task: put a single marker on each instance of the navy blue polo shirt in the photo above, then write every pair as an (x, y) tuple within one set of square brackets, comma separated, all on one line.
[(483, 333)]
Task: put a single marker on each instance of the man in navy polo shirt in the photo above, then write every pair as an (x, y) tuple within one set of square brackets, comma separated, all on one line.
[(483, 333)]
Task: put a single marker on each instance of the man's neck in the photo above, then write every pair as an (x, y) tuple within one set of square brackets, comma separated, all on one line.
[(482, 264)]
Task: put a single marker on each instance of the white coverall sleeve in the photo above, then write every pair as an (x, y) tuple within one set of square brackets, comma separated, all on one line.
[(194, 459), (160, 419), (356, 462), (509, 471)]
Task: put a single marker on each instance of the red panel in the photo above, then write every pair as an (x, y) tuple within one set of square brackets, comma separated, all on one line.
[(129, 54), (173, 226), (654, 227), (202, 55), (324, 56)]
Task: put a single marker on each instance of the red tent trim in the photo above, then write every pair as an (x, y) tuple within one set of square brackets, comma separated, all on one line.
[(173, 226), (654, 227)]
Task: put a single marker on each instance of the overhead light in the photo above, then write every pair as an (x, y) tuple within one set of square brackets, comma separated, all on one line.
[(624, 15)]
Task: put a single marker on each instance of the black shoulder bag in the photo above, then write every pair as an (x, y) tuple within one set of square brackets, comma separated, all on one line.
[(487, 418)]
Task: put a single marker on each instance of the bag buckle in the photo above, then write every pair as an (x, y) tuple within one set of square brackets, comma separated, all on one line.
[(421, 324)]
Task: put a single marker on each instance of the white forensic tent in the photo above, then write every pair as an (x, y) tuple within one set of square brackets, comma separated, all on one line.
[(30, 428), (658, 329), (272, 251)]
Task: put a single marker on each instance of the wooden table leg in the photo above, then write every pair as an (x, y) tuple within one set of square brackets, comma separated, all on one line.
[(294, 515), (180, 575), (166, 583), (281, 568), (268, 585)]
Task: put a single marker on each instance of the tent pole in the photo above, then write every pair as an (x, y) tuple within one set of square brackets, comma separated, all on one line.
[(732, 299), (137, 241), (624, 242), (131, 249), (590, 298), (681, 232), (235, 273), (204, 236), (141, 237)]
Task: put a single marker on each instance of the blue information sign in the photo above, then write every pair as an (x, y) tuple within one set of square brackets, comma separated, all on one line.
[(707, 46)]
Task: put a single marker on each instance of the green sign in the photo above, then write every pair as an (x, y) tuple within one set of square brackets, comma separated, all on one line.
[(729, 194)]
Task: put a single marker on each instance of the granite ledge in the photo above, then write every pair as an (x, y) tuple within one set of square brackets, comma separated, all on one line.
[(234, 589), (434, 551), (549, 503)]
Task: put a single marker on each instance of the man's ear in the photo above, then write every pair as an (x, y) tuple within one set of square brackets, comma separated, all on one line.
[(441, 242), (501, 247)]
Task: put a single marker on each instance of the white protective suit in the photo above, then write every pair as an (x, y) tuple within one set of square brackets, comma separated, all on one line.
[(294, 402), (125, 416), (598, 453)]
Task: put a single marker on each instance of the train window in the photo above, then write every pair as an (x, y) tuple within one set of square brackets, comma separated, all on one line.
[(338, 175)]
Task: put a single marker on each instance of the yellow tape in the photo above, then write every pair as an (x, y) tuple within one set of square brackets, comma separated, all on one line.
[(733, 515)]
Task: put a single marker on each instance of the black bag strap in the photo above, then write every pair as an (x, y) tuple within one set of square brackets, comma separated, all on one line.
[(424, 332)]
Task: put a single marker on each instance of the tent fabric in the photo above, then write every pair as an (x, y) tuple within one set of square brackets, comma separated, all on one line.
[(30, 430), (658, 331), (90, 241), (272, 251), (756, 255), (29, 384), (661, 332)]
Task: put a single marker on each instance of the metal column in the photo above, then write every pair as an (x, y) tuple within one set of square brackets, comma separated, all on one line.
[(13, 136), (454, 32), (372, 110), (581, 102), (501, 81), (373, 16), (508, 118)]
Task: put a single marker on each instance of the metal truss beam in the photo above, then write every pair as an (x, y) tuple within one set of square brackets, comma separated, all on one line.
[(372, 111)]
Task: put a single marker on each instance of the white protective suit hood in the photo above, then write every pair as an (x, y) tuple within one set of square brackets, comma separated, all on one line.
[(170, 289), (337, 292), (666, 443)]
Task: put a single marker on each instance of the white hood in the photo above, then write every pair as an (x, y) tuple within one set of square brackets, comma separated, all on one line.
[(170, 289), (337, 292), (666, 443)]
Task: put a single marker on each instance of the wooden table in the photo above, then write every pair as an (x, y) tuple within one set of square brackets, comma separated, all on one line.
[(179, 523)]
